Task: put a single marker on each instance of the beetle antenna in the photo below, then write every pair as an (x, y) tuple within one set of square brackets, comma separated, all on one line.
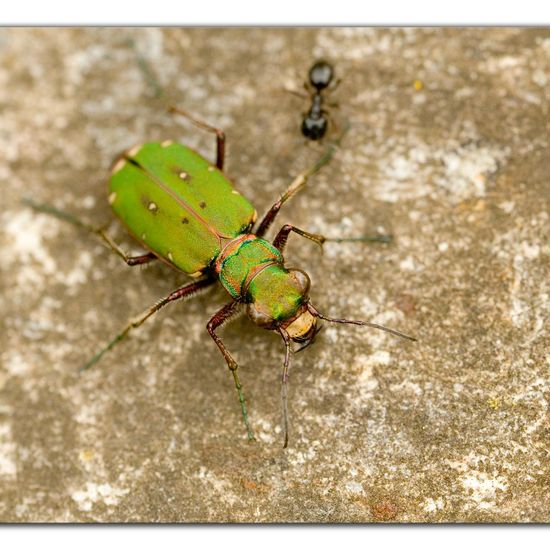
[(316, 313), (284, 380)]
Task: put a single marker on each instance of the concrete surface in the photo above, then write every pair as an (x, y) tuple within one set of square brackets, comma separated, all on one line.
[(447, 149)]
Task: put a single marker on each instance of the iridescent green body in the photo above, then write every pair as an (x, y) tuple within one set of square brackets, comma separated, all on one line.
[(186, 211), (177, 205)]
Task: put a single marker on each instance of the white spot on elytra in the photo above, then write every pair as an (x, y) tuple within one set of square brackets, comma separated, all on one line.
[(118, 166), (134, 150), (153, 207), (235, 192), (183, 175), (112, 198), (143, 236)]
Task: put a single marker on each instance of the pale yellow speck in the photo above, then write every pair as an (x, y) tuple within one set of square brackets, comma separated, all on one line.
[(170, 257), (211, 168), (118, 166), (86, 456), (184, 175), (112, 197), (235, 192), (418, 85), (134, 150), (143, 236), (153, 207), (494, 402), (196, 274), (166, 143), (254, 216)]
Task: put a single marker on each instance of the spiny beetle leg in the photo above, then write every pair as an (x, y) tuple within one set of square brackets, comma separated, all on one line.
[(182, 292), (140, 260), (220, 135), (280, 240), (147, 71), (380, 238), (284, 381), (219, 318), (99, 231), (130, 260), (298, 183)]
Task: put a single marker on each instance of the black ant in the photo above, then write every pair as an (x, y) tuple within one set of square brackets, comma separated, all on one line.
[(315, 123)]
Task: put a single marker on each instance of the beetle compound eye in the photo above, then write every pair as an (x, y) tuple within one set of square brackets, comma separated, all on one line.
[(303, 282), (260, 318)]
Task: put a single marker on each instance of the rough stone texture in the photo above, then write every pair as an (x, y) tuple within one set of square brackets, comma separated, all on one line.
[(447, 149)]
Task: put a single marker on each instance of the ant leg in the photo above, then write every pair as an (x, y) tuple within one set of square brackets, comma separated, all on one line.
[(296, 93), (219, 318), (99, 231), (335, 85), (280, 240), (220, 135), (293, 188), (182, 292)]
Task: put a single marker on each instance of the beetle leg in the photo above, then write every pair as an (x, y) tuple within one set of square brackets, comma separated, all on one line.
[(281, 238), (146, 70), (220, 135), (130, 260), (293, 188), (284, 380), (219, 318), (182, 292), (99, 231)]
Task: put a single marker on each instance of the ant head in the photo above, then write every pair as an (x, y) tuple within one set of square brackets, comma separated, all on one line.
[(320, 75)]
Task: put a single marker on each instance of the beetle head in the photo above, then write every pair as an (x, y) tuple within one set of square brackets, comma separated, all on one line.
[(285, 307)]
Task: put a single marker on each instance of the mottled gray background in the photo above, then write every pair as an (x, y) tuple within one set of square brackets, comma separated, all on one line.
[(447, 149)]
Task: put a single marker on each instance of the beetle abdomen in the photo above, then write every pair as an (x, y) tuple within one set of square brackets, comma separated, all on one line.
[(177, 204)]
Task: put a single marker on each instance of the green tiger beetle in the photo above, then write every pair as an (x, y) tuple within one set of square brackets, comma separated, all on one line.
[(186, 212)]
